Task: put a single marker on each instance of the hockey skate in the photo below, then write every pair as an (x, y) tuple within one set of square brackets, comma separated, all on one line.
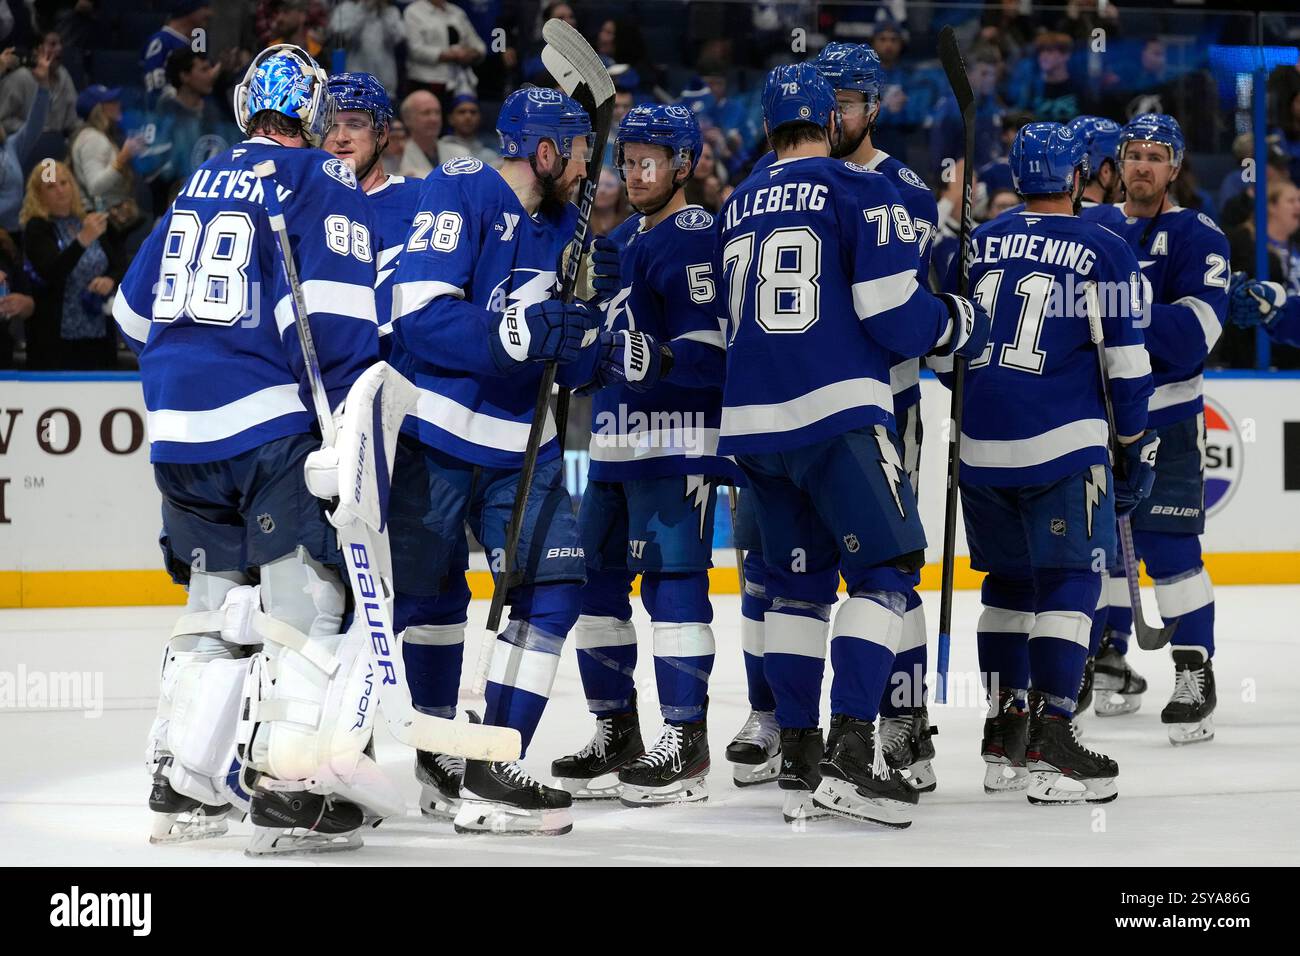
[(1117, 687), (1085, 688), (592, 773), (1003, 747), (908, 747), (801, 752), (674, 770), (440, 777), (755, 752), (180, 819), (1189, 715), (1063, 771), (859, 785), (297, 821), (503, 798)]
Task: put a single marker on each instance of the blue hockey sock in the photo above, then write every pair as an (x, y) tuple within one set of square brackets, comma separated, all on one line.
[(753, 606), (906, 685), (868, 627)]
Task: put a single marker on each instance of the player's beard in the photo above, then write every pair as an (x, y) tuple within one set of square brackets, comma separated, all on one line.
[(653, 204), (847, 145)]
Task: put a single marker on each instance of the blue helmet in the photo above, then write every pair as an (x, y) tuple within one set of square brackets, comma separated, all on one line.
[(285, 79), (535, 113), (364, 93), (1044, 157), (797, 93), (1100, 136), (673, 127), (850, 66), (1153, 128)]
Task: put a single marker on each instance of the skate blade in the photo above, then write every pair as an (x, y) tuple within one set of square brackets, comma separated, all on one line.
[(799, 808), (1004, 778), (692, 790), (751, 774), (842, 798), (482, 816), (1056, 789), (920, 777), (170, 828), (278, 841), (435, 805), (1116, 704), (1198, 733), (603, 787)]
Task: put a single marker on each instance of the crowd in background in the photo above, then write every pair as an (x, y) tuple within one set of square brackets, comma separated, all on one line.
[(107, 106)]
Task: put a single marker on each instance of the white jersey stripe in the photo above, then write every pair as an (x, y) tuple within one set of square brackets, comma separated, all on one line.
[(705, 336), (499, 434), (1038, 450), (649, 443), (411, 297), (1210, 325), (336, 298), (1128, 361), (874, 296), (133, 325), (1175, 393), (807, 409), (196, 427)]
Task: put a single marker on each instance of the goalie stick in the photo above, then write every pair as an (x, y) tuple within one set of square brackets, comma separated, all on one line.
[(578, 70), (1148, 638), (955, 68), (367, 560)]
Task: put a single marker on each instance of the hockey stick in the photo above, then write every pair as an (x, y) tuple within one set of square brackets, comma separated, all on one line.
[(372, 591), (1148, 638), (577, 68), (734, 505), (955, 69)]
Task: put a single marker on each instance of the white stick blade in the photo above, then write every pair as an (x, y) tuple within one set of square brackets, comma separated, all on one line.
[(580, 62), (265, 168)]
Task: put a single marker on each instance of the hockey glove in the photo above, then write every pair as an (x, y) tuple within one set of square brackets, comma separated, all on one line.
[(1251, 301), (542, 332), (634, 358), (1136, 472), (970, 328), (604, 264)]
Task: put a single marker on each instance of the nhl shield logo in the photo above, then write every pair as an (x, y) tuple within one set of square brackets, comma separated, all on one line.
[(1057, 527), (851, 543), (266, 523)]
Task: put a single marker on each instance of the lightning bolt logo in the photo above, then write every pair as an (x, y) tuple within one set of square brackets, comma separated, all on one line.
[(698, 488), (891, 466), (1094, 486)]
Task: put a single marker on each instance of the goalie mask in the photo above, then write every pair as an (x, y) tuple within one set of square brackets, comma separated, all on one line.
[(286, 80)]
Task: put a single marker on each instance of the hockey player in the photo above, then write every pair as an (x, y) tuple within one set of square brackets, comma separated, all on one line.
[(648, 508), (1100, 137), (818, 258), (1255, 302), (852, 70), (473, 321), (1184, 256), (358, 137), (1038, 496), (206, 306)]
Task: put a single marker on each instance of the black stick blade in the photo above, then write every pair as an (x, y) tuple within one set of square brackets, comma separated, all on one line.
[(955, 68)]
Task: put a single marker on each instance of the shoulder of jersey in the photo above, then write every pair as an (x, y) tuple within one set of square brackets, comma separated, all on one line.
[(909, 177), (1206, 221), (461, 166), (693, 220)]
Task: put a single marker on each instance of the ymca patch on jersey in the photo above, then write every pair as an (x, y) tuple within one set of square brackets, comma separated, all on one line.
[(694, 219), (337, 169), (909, 177), (462, 165)]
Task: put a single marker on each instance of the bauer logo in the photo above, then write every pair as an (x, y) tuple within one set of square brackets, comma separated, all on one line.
[(1222, 457)]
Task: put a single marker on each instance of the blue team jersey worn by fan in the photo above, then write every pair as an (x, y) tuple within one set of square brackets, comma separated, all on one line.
[(153, 59), (393, 204), (206, 303), (817, 282), (473, 252), (672, 429), (1184, 256), (1034, 410)]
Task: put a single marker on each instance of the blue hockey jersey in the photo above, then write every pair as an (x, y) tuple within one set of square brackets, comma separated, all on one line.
[(472, 252), (668, 293), (1184, 256), (393, 204), (817, 270), (206, 303), (153, 60), (1034, 410)]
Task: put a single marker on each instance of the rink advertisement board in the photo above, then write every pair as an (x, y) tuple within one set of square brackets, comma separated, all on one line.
[(79, 512)]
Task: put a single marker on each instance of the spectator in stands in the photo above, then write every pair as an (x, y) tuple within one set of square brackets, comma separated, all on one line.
[(904, 106), (76, 262), (370, 31), (1288, 133), (731, 124), (17, 150), (189, 120), (18, 89), (291, 22), (83, 30), (1234, 180), (1000, 201), (947, 138), (6, 21), (609, 208), (1051, 93), (1241, 207), (422, 114), (1237, 348), (621, 42), (398, 137), (1082, 17), (1283, 86), (16, 302), (442, 46), (464, 139), (101, 156), (184, 17), (1008, 25), (996, 174)]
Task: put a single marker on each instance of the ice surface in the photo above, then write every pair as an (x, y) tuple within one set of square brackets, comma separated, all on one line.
[(73, 787)]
